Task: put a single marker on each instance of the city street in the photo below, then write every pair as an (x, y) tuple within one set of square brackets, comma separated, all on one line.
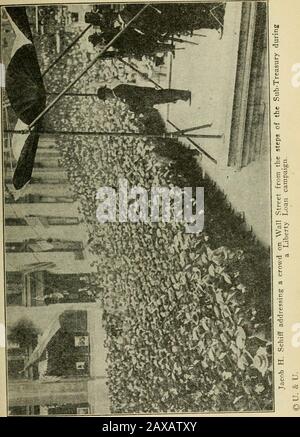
[(137, 313)]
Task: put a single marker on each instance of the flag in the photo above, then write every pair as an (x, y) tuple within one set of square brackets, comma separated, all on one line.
[(47, 335)]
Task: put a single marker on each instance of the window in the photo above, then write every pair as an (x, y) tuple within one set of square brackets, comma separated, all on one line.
[(35, 245), (15, 221), (74, 17), (80, 365), (16, 247), (38, 198), (48, 180), (45, 220), (50, 164), (57, 199), (62, 220)]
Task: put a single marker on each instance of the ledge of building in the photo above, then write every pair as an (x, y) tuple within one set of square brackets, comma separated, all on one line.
[(248, 108)]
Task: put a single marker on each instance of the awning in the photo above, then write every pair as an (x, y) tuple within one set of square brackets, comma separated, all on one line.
[(47, 335)]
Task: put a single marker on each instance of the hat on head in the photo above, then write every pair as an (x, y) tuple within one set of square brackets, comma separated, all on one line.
[(101, 93)]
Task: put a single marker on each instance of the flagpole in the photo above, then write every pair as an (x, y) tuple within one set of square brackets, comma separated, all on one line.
[(66, 50), (79, 76), (184, 41), (179, 134)]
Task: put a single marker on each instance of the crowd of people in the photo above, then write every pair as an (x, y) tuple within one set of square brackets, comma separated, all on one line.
[(144, 44), (106, 71), (178, 308)]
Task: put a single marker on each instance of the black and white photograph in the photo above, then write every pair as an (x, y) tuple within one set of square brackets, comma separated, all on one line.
[(137, 208)]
